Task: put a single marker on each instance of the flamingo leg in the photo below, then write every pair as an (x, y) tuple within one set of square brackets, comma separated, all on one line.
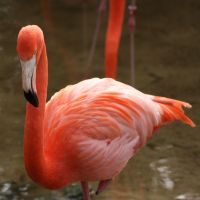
[(85, 188), (132, 12), (102, 185), (101, 12)]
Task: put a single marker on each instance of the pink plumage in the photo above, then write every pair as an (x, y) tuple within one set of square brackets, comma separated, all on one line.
[(87, 131), (107, 122)]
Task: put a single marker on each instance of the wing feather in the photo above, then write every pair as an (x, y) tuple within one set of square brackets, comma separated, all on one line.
[(101, 160), (103, 122)]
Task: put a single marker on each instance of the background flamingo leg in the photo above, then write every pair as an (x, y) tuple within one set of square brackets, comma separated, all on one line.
[(132, 8), (101, 12)]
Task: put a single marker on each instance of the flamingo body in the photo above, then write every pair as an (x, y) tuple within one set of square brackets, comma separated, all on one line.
[(87, 131), (100, 123), (97, 125)]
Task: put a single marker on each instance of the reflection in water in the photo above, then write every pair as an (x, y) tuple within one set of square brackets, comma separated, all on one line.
[(188, 196), (163, 178), (10, 190), (14, 191)]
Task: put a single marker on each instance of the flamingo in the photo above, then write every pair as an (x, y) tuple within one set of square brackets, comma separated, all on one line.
[(87, 131)]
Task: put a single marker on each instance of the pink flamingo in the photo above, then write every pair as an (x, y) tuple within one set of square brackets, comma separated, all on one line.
[(87, 131)]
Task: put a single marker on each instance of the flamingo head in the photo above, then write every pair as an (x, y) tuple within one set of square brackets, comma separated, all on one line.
[(29, 47)]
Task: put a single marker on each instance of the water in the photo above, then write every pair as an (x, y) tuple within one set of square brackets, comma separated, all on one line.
[(167, 60)]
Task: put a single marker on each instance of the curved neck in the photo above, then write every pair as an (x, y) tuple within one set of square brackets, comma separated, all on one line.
[(34, 123), (116, 16), (42, 169)]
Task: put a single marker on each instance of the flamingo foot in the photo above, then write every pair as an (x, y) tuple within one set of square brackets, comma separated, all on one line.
[(102, 185), (85, 188)]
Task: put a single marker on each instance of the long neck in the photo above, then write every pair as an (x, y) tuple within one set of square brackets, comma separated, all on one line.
[(34, 123), (113, 35)]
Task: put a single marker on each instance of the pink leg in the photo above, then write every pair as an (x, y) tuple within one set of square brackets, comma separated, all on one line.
[(85, 188), (132, 12), (102, 185)]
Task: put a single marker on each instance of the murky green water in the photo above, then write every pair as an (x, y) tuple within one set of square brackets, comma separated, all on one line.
[(168, 64)]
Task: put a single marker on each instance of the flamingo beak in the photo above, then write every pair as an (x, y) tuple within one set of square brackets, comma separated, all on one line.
[(29, 80)]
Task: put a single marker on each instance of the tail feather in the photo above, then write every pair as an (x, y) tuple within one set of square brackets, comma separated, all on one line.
[(173, 110)]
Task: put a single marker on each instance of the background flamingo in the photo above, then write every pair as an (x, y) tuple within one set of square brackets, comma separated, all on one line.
[(113, 35), (87, 131)]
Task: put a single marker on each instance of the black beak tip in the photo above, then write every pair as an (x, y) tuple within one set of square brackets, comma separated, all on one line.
[(32, 98)]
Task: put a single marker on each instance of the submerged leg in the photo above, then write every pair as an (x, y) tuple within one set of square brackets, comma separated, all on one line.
[(85, 188), (102, 185)]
